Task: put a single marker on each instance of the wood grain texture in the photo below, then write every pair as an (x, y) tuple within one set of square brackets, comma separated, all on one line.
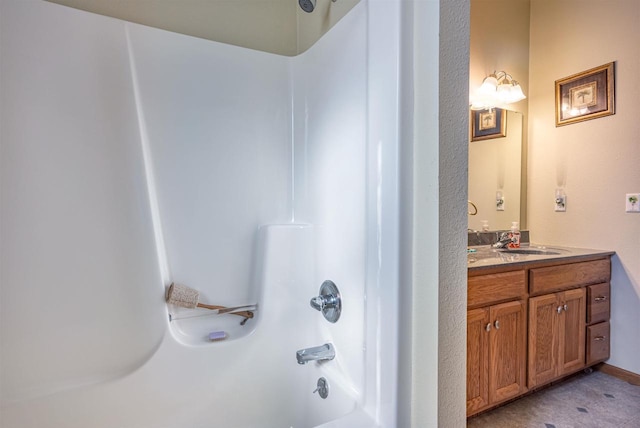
[(477, 360), (543, 339), (563, 277), (598, 306), (508, 351), (545, 305), (572, 331), (625, 375), (498, 287), (598, 342)]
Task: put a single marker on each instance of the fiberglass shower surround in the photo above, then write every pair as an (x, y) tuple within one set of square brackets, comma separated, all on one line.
[(195, 164)]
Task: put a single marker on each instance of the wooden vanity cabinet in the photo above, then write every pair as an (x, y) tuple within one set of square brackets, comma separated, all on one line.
[(496, 340), (560, 309)]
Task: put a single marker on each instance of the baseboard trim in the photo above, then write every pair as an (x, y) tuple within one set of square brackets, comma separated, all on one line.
[(627, 376)]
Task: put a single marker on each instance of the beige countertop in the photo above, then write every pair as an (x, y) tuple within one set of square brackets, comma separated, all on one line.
[(487, 257)]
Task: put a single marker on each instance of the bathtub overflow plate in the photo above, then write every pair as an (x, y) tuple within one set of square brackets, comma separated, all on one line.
[(322, 388)]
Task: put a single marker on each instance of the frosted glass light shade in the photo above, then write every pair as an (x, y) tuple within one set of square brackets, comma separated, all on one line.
[(489, 85), (503, 93), (516, 93), (497, 90)]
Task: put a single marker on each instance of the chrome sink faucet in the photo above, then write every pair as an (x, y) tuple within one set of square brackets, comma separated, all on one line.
[(318, 353), (503, 240)]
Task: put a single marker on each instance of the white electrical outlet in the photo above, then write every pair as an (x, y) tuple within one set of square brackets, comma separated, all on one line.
[(632, 202)]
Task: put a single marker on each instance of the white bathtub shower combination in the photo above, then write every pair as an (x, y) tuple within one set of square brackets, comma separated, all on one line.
[(134, 157)]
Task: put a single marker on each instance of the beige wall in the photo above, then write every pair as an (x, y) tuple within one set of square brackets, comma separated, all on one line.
[(596, 161), (494, 164), (276, 26), (500, 41)]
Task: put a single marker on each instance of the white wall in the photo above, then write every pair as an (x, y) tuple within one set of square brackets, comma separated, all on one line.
[(219, 137), (596, 161), (77, 242), (330, 171), (452, 210), (433, 260)]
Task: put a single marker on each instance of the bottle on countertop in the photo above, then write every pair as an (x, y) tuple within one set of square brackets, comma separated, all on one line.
[(515, 235)]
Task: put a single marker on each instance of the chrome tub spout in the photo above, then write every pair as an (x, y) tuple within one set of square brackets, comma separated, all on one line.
[(319, 353)]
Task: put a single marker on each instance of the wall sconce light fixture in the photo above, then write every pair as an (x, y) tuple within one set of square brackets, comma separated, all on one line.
[(497, 90)]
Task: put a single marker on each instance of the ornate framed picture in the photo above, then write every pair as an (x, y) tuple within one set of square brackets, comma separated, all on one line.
[(586, 95), (490, 123)]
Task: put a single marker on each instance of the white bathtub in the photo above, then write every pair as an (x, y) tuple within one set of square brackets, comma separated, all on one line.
[(246, 381)]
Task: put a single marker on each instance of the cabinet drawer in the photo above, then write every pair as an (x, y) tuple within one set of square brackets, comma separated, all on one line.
[(497, 287), (554, 278), (598, 342), (598, 297)]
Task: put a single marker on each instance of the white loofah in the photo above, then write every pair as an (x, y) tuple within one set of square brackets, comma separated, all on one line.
[(181, 295)]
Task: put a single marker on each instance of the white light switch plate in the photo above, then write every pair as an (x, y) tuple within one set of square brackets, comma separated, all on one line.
[(632, 202)]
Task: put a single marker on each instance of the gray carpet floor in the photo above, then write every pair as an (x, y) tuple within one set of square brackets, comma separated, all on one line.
[(593, 400)]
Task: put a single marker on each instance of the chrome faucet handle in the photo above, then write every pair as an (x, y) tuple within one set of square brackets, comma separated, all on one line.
[(328, 302), (317, 303), (324, 301), (503, 239)]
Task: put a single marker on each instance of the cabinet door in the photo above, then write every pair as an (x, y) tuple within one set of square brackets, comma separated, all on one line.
[(544, 318), (507, 351), (572, 330), (478, 328)]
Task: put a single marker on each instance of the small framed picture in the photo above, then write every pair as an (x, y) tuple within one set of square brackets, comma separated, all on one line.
[(490, 123), (586, 95)]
